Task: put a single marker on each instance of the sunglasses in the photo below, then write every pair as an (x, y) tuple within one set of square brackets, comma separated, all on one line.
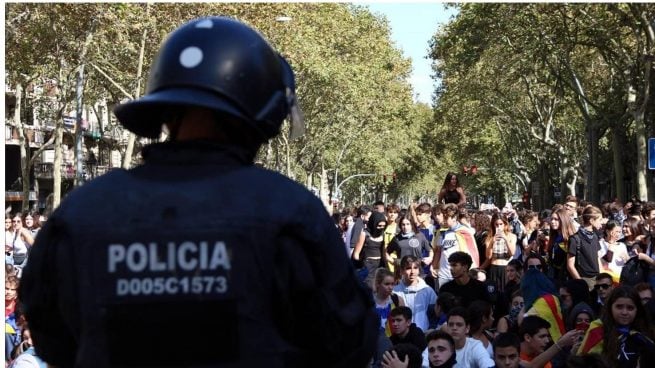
[(535, 267), (602, 286)]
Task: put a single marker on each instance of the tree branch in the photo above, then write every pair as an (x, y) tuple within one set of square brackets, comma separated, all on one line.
[(127, 94)]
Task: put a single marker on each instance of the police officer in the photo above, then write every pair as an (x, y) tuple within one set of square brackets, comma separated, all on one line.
[(197, 257)]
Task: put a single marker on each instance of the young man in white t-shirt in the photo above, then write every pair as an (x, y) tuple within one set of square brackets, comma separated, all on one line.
[(470, 352)]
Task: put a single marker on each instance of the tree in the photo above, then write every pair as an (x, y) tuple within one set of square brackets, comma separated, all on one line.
[(557, 71)]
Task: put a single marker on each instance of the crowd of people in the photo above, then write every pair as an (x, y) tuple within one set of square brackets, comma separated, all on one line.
[(567, 287), (570, 286), (20, 232)]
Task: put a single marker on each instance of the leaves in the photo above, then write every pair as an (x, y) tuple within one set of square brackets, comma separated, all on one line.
[(538, 79), (352, 80)]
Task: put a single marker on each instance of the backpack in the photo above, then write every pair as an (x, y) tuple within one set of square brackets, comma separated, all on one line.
[(633, 272)]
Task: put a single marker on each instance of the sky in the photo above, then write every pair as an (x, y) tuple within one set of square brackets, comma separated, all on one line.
[(412, 27)]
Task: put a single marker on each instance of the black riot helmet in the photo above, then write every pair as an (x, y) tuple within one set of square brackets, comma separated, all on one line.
[(220, 64)]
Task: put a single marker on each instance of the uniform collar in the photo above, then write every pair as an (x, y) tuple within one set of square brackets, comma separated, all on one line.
[(196, 151)]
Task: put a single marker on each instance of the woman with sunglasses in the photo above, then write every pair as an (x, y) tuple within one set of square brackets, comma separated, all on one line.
[(21, 241)]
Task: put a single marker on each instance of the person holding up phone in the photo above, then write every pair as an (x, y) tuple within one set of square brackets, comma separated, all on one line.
[(500, 247), (614, 253)]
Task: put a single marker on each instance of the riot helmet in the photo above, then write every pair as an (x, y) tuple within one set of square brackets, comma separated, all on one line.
[(223, 65)]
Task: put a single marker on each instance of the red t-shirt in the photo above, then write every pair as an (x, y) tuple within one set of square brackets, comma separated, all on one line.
[(527, 358), (10, 306)]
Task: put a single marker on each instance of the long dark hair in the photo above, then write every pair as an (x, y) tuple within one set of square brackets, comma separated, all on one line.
[(446, 182), (409, 218), (641, 324)]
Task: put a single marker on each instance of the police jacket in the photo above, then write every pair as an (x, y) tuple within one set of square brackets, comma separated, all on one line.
[(196, 258)]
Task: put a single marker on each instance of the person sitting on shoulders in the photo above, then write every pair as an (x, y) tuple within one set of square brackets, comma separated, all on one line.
[(452, 191)]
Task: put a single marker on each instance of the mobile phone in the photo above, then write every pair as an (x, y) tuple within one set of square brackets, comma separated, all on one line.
[(582, 326)]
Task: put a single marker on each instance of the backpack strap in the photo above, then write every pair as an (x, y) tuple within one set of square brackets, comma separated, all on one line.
[(394, 300), (13, 243)]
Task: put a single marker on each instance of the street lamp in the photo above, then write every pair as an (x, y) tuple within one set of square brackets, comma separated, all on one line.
[(338, 187)]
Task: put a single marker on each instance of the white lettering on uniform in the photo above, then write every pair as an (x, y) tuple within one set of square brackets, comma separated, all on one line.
[(137, 257), (116, 254), (122, 287), (202, 255), (171, 286), (220, 257), (187, 264), (155, 263), (187, 256), (171, 256)]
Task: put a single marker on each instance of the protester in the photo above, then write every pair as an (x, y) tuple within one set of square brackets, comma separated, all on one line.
[(624, 334)]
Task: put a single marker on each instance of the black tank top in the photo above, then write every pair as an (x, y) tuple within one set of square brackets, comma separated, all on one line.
[(451, 196), (372, 248)]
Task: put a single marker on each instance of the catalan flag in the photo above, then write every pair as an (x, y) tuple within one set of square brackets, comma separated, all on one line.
[(547, 307), (593, 339)]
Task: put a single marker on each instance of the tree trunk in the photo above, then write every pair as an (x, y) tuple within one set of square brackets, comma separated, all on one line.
[(310, 180), (617, 157), (56, 171), (570, 184), (24, 146), (640, 133), (564, 169), (129, 150), (323, 188), (592, 163)]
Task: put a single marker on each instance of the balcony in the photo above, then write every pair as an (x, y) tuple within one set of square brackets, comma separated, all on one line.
[(36, 137), (14, 196), (46, 171)]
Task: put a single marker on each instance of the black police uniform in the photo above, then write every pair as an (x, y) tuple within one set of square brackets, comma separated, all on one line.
[(195, 258)]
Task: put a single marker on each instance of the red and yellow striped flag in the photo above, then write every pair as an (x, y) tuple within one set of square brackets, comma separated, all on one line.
[(593, 339), (547, 307)]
